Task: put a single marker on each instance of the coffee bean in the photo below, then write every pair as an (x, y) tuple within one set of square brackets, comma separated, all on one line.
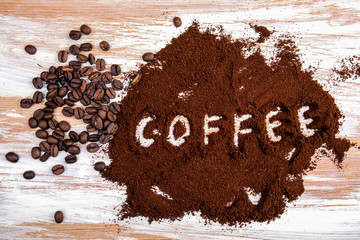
[(112, 128), (68, 142), (102, 114), (57, 169), (75, 83), (111, 116), (35, 152), (76, 95), (99, 166), (73, 149), (74, 50), (29, 175), (87, 119), (93, 137), (101, 85), (62, 92), (33, 123), (37, 97), (104, 138), (85, 47), (95, 103), (90, 128), (100, 64), (75, 64), (86, 71), (53, 124), (43, 124), (70, 159), (110, 92), (85, 29), (52, 70), (52, 140), (117, 85), (59, 217), (26, 103), (82, 58), (99, 94), (91, 110), (115, 70), (91, 59), (85, 100), (42, 134), (45, 156), (54, 150), (75, 35), (37, 82), (106, 77), (52, 86), (106, 124), (79, 113), (83, 137), (69, 102), (51, 94), (97, 122), (59, 101), (95, 76), (104, 45), (64, 126), (105, 100), (30, 49), (62, 56), (58, 134), (12, 157), (50, 104), (92, 147), (38, 114), (61, 145), (67, 112), (147, 57), (177, 22), (114, 108), (44, 146), (44, 75), (74, 136), (48, 116)]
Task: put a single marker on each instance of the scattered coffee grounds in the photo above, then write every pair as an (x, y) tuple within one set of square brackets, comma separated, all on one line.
[(348, 68), (214, 128)]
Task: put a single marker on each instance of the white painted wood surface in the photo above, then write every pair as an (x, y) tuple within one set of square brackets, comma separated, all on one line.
[(326, 32)]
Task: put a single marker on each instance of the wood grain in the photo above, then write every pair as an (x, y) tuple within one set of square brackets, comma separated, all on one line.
[(325, 32)]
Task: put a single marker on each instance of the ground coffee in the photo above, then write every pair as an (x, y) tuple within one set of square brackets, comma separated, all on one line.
[(212, 126)]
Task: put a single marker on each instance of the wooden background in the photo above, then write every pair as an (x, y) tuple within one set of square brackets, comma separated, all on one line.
[(325, 31)]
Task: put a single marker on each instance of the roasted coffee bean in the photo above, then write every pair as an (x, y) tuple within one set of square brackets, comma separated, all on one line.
[(106, 124), (82, 58), (45, 156), (100, 84), (54, 150), (48, 116), (61, 145), (29, 175), (99, 166), (102, 114), (90, 128), (35, 152), (67, 112), (37, 82), (43, 124), (52, 140), (68, 75), (50, 104), (85, 29), (62, 91), (51, 86), (76, 73), (59, 101), (99, 94), (33, 123), (52, 78), (106, 77), (58, 134), (52, 70), (75, 83), (95, 103), (69, 102), (44, 146), (75, 64), (64, 126), (68, 142), (83, 86), (74, 136), (75, 34), (38, 114), (57, 169), (62, 56), (74, 50), (112, 128), (104, 138), (104, 45), (48, 110), (85, 47), (42, 134), (117, 85), (86, 71), (76, 95), (59, 71), (110, 92), (26, 103), (87, 119), (83, 137), (111, 116), (79, 113), (93, 137), (147, 57), (100, 64), (97, 122), (30, 49), (59, 217), (73, 149), (85, 100), (91, 59), (91, 110), (95, 76), (70, 159), (44, 75), (177, 22), (51, 94), (71, 97), (92, 147), (114, 108), (37, 97), (105, 100), (115, 70), (53, 124), (12, 157)]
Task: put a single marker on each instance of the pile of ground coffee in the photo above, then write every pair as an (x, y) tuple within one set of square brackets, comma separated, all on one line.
[(211, 127)]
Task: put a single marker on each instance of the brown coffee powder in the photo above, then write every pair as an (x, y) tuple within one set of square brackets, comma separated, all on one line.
[(202, 80)]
